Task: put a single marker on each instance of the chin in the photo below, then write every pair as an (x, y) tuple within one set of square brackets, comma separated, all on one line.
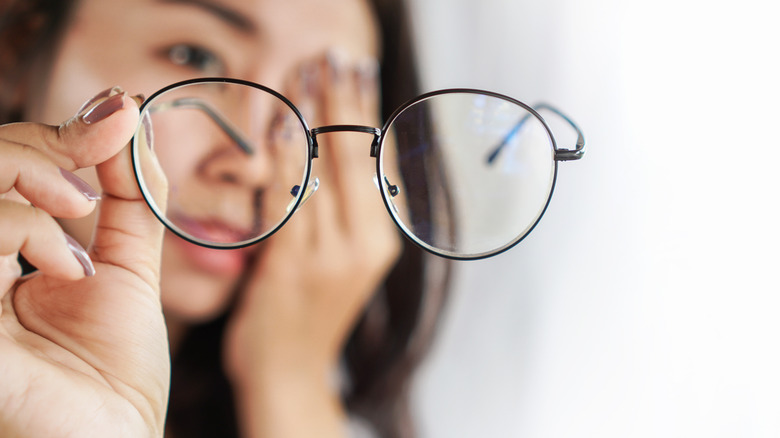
[(191, 294), (194, 298)]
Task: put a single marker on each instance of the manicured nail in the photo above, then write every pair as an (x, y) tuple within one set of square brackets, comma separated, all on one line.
[(336, 61), (283, 126), (146, 122), (80, 185), (81, 255), (367, 72), (310, 75), (104, 109), (139, 99), (102, 95)]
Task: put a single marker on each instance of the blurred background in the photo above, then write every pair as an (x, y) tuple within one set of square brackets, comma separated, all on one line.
[(647, 301)]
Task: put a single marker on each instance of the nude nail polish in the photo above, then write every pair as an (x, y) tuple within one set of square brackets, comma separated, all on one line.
[(102, 95), (310, 77), (367, 72), (336, 62), (81, 255), (139, 99), (80, 185), (104, 109)]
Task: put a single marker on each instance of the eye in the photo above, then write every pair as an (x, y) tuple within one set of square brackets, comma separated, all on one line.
[(197, 58)]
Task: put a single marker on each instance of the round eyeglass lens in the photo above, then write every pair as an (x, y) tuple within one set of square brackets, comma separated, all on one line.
[(467, 174), (235, 156)]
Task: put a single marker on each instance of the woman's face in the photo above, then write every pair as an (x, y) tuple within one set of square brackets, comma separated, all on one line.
[(144, 45)]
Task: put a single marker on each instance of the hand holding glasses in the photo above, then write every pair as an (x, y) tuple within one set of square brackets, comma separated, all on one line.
[(465, 174)]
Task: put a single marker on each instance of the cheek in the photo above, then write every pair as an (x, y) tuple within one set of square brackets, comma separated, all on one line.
[(178, 152)]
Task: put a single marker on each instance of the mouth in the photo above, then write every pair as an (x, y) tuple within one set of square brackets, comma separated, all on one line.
[(223, 262), (212, 230)]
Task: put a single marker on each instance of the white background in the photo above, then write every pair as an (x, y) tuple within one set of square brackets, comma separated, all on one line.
[(647, 302)]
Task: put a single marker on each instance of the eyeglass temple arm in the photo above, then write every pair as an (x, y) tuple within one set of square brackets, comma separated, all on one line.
[(560, 154), (212, 113)]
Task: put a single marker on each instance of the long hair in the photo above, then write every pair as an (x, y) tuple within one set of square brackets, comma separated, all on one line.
[(397, 326)]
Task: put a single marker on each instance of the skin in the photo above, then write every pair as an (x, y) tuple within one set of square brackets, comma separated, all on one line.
[(305, 286)]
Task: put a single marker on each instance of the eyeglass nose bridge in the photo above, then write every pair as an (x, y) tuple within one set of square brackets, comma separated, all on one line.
[(346, 128)]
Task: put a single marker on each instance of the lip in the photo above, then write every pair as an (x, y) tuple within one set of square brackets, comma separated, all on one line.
[(224, 262), (211, 230)]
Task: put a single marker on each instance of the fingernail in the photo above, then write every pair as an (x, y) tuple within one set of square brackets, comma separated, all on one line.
[(309, 79), (139, 99), (335, 59), (80, 185), (102, 95), (367, 72), (146, 122), (283, 126), (81, 255), (104, 109)]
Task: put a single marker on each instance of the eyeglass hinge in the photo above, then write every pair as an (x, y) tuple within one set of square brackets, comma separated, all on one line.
[(568, 154), (315, 148), (375, 146)]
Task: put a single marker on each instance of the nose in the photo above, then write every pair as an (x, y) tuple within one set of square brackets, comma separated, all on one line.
[(241, 154), (229, 165), (243, 175)]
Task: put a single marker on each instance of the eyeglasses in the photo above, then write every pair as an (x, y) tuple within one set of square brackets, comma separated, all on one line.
[(464, 174)]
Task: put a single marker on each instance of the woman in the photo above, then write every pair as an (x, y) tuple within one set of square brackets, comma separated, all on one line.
[(328, 316)]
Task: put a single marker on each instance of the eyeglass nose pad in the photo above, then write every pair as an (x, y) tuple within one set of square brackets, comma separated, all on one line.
[(310, 189), (392, 189)]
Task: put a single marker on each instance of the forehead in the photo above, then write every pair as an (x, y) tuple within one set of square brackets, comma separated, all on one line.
[(299, 25)]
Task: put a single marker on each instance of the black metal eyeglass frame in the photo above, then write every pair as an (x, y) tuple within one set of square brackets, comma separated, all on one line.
[(379, 136)]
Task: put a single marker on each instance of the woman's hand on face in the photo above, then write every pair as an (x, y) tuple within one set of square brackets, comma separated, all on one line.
[(83, 347), (314, 277)]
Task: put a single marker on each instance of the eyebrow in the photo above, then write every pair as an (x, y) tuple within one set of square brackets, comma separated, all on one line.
[(222, 12)]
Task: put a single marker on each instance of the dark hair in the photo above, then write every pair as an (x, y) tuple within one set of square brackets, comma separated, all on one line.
[(28, 35), (397, 326)]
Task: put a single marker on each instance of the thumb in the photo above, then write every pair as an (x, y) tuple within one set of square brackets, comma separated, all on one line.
[(127, 233), (102, 128)]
